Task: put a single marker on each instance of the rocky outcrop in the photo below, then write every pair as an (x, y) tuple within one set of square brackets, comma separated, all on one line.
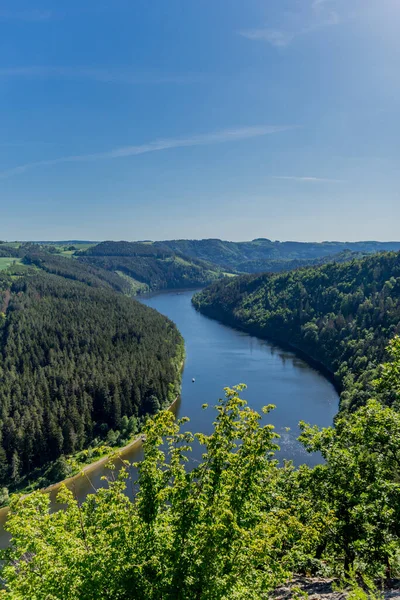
[(324, 589)]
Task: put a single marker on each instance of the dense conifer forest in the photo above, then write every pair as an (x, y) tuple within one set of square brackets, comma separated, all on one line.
[(76, 361), (341, 315), (75, 270), (6, 251)]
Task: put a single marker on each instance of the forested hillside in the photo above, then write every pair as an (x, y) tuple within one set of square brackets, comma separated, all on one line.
[(266, 255), (75, 360), (341, 315), (149, 267), (7, 251), (75, 270), (279, 265)]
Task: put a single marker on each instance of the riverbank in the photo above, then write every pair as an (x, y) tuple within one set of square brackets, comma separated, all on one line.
[(87, 466), (86, 470), (93, 466), (231, 321)]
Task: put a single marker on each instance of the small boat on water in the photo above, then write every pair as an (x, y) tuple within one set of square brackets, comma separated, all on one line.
[(193, 380)]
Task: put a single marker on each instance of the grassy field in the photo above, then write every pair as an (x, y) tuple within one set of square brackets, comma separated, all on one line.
[(12, 244), (6, 262), (69, 253), (137, 287)]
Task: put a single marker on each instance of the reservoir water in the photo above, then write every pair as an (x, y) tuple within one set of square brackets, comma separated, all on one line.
[(218, 356)]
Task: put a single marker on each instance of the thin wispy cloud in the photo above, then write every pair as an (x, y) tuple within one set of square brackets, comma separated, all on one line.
[(218, 137), (276, 38), (317, 4), (101, 75), (308, 179), (26, 15), (281, 38), (317, 16)]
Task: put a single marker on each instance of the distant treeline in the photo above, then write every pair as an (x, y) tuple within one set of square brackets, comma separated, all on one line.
[(156, 267), (266, 255), (341, 315), (279, 265), (144, 266)]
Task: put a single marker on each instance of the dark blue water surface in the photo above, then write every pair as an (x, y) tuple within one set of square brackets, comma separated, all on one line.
[(218, 356)]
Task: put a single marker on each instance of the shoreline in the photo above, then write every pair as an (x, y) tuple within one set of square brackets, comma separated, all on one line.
[(284, 345), (101, 461), (87, 469)]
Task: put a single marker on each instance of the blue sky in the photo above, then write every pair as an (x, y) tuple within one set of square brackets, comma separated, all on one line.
[(237, 119)]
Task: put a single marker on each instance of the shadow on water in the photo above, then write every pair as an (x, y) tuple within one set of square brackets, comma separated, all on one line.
[(219, 356)]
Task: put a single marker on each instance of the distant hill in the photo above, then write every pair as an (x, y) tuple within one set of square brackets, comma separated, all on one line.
[(279, 265), (65, 242), (265, 255), (148, 266)]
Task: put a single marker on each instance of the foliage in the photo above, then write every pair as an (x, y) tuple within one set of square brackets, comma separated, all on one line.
[(73, 269), (357, 588), (265, 255), (187, 534), (359, 485), (7, 251), (74, 359), (388, 382), (278, 265), (155, 266), (340, 315), (233, 527)]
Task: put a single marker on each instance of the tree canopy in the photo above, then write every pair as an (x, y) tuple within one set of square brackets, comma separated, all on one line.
[(75, 359), (263, 254), (340, 315), (154, 266), (234, 526)]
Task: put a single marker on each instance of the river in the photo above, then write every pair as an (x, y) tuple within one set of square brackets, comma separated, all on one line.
[(219, 356)]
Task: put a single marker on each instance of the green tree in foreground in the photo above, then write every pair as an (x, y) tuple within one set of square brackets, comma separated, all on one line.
[(388, 384), (188, 534), (358, 486), (234, 527)]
